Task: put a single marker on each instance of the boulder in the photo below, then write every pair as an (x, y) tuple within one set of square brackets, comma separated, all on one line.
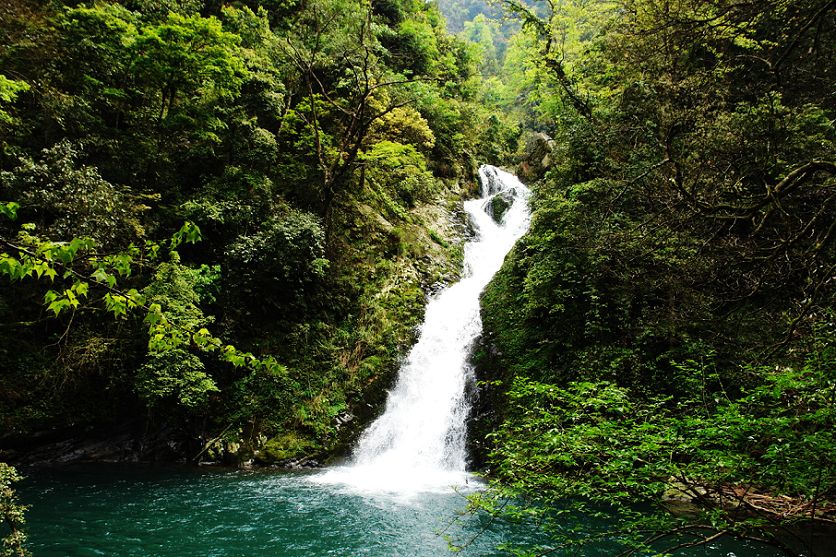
[(536, 155)]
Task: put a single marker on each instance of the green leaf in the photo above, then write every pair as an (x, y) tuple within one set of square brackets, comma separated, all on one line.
[(116, 304), (9, 209), (58, 306), (188, 233), (81, 288)]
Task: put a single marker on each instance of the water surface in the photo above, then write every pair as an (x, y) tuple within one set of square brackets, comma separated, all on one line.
[(183, 512), (113, 510)]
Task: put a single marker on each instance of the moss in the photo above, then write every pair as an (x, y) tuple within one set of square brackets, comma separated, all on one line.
[(284, 447), (370, 366), (499, 206), (436, 237)]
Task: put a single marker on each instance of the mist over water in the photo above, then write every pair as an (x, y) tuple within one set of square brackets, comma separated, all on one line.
[(418, 443)]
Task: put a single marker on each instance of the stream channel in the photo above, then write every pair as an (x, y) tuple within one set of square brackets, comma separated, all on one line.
[(400, 493)]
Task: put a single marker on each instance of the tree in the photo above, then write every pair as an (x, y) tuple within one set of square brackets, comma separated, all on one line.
[(485, 34), (188, 56), (67, 200), (347, 96), (279, 132)]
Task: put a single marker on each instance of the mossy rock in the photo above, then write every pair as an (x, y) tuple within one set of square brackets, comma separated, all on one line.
[(284, 447), (499, 206)]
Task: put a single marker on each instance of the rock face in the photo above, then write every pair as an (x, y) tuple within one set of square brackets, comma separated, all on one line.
[(536, 156), (486, 400), (125, 442)]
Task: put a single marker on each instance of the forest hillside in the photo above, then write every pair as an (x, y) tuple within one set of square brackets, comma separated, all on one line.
[(664, 336), (220, 223)]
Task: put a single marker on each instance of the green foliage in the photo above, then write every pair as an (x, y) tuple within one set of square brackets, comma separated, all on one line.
[(67, 200), (93, 84), (11, 514), (485, 34), (189, 56), (459, 12), (263, 399), (415, 47), (401, 170), (80, 266), (593, 449), (170, 301), (159, 9), (659, 335), (405, 125), (9, 91), (281, 261), (9, 209), (172, 372), (284, 447), (175, 375)]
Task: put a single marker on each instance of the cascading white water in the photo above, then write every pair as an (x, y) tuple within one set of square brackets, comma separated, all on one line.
[(418, 443)]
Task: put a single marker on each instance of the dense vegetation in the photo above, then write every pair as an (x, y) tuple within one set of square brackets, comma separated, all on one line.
[(219, 222), (663, 338)]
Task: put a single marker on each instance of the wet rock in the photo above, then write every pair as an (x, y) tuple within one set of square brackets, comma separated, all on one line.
[(343, 419), (301, 463), (121, 443), (499, 205)]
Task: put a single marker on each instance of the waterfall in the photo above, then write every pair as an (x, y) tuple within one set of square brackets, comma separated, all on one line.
[(418, 443)]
